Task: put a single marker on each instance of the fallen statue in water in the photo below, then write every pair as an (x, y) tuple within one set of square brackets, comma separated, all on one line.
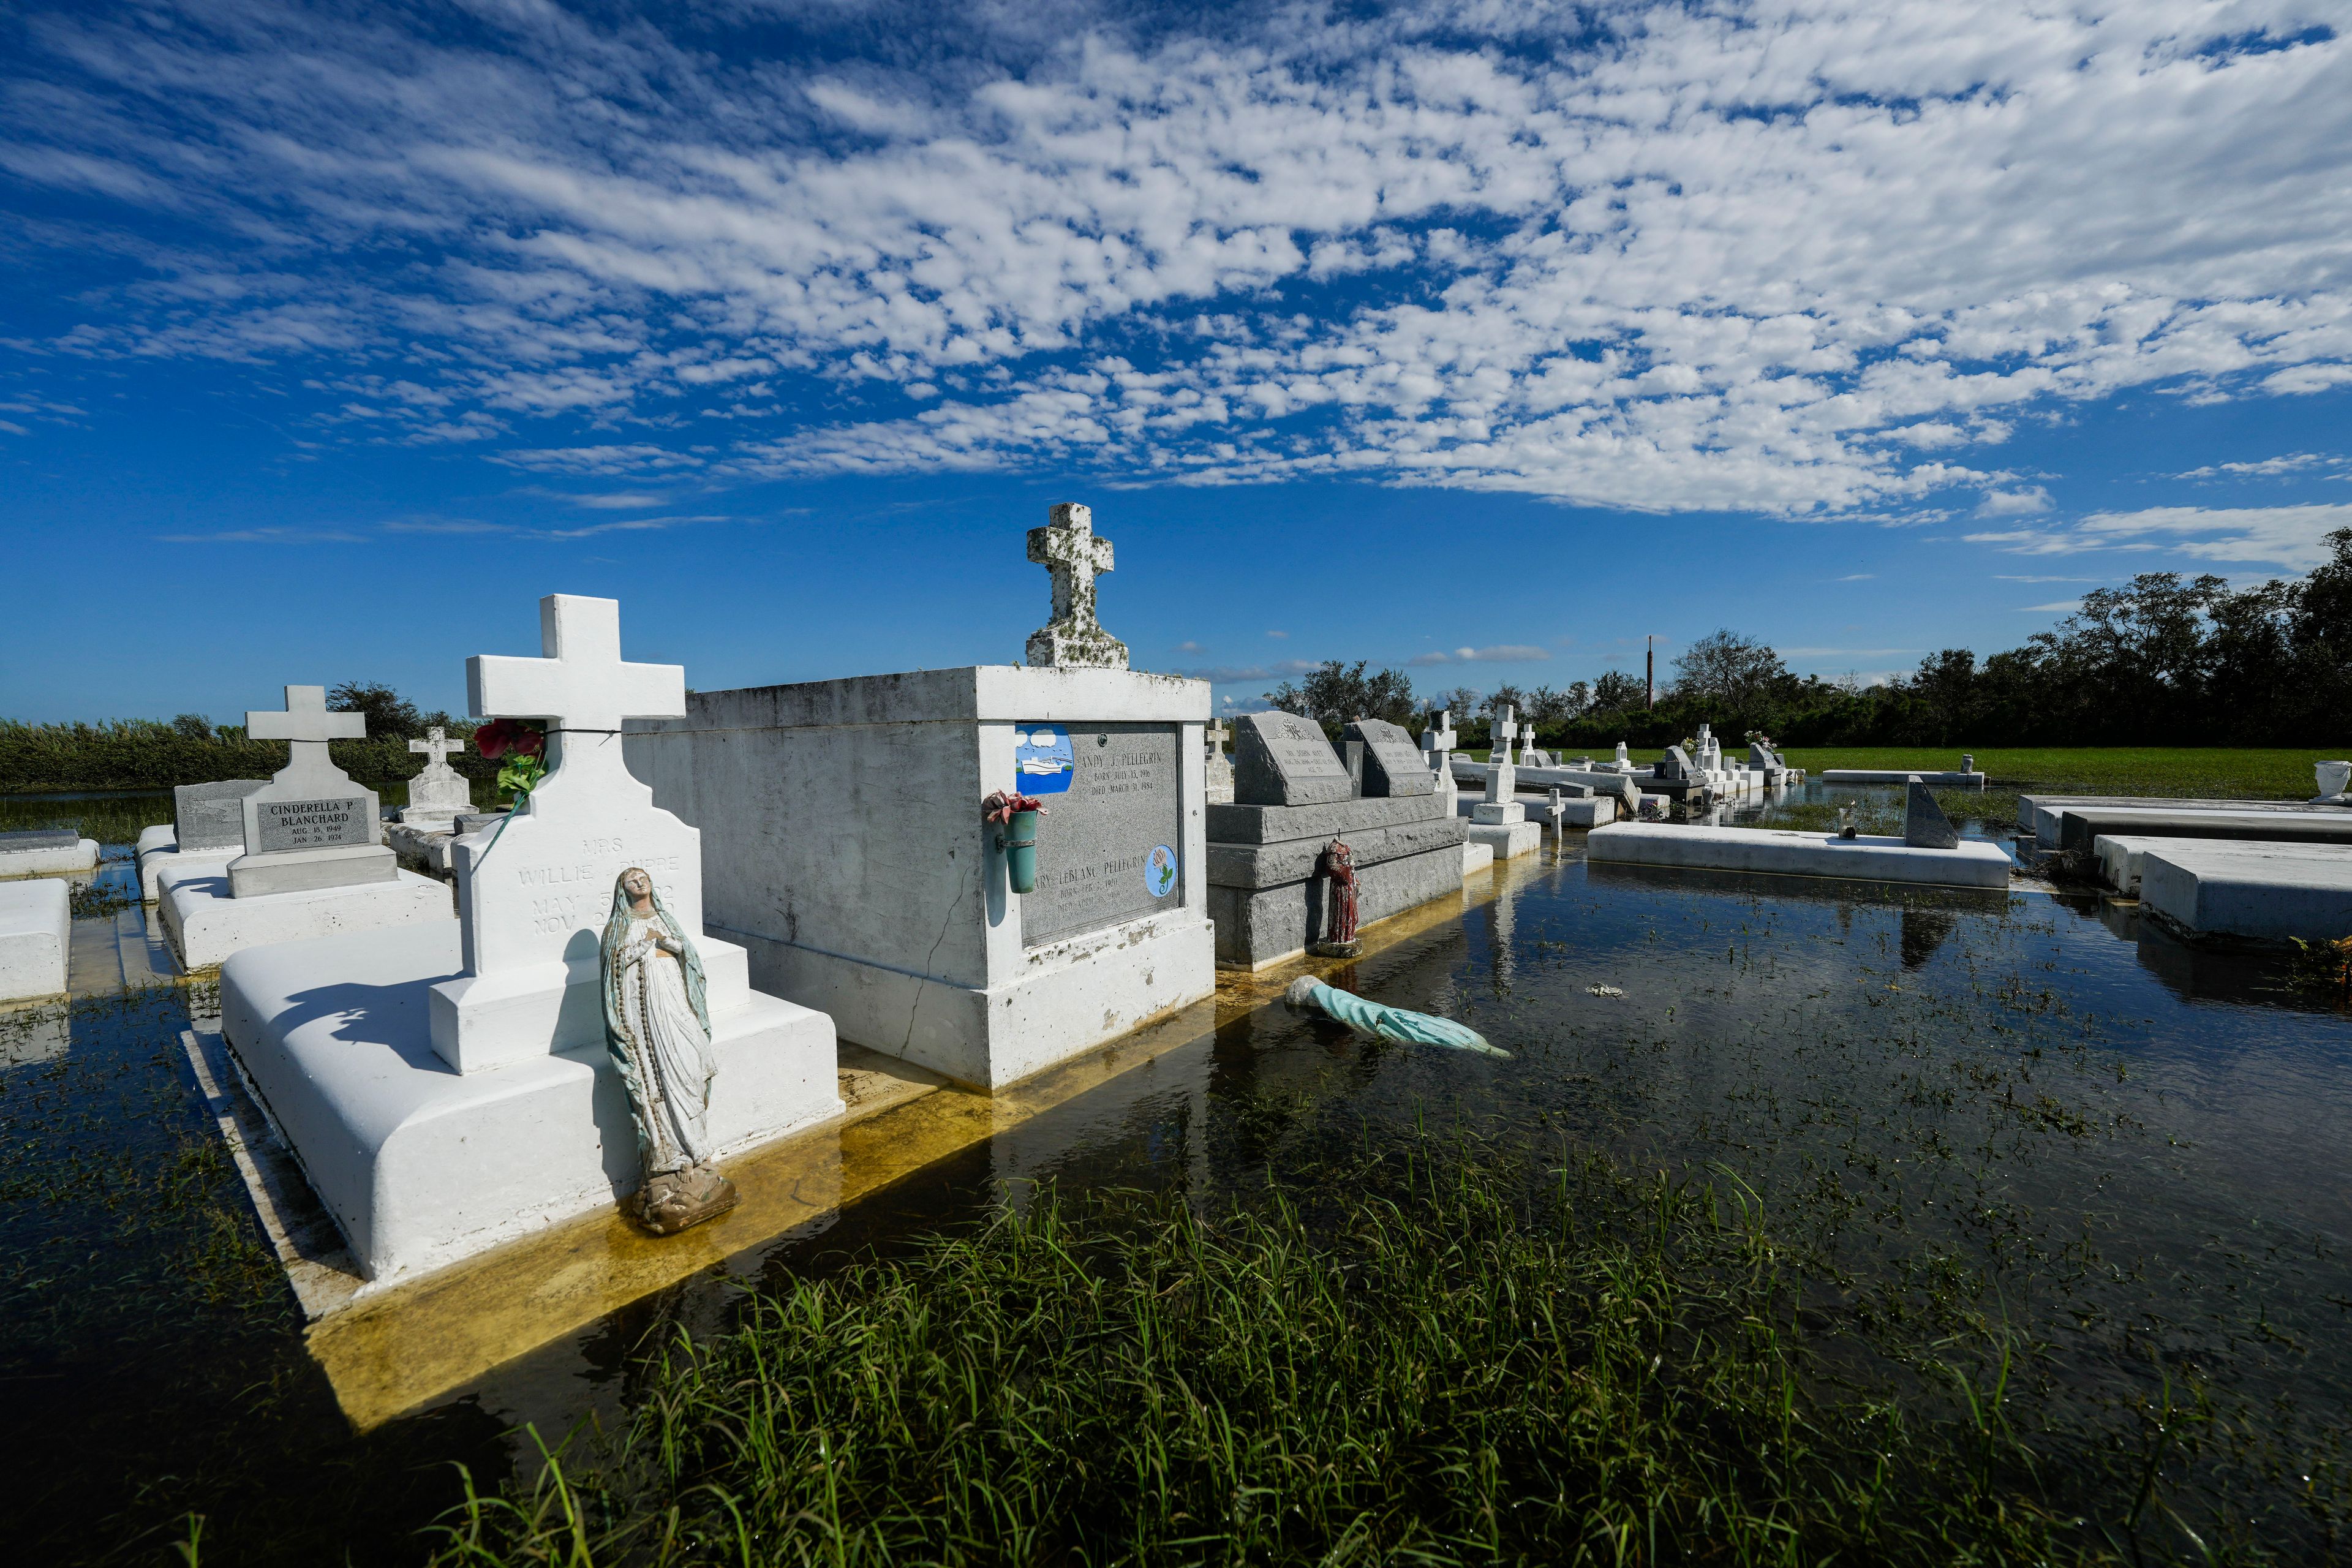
[(1377, 1022)]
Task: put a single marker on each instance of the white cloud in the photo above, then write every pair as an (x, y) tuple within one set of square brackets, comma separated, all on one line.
[(1856, 577), (2063, 607), (1663, 257), (2288, 536), (1503, 653)]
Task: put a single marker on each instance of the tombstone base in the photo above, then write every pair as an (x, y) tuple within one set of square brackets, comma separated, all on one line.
[(204, 923), (35, 932), (1259, 927), (158, 851), (1080, 994), (62, 860), (305, 870), (1508, 840), (1477, 857), (420, 1166), (1498, 812)]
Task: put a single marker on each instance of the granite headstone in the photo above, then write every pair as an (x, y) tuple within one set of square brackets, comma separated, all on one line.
[(1280, 759), (1924, 825), (211, 816), (1108, 849), (1674, 766), (1393, 764), (39, 838)]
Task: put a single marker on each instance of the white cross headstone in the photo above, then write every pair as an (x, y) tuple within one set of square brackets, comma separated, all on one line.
[(310, 827), (440, 793), (1069, 549), (1502, 778), (1217, 734), (534, 888)]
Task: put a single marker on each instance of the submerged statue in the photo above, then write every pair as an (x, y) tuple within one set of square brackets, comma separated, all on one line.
[(1379, 1021), (658, 1027)]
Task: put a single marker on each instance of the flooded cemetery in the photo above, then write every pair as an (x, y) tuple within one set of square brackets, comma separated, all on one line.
[(1002, 1114)]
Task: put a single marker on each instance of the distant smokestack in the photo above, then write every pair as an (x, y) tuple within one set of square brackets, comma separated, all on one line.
[(1650, 676)]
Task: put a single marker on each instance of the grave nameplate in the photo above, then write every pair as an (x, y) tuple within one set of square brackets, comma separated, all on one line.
[(39, 838), (211, 816), (1393, 764), (326, 823), (1108, 847), (1280, 759)]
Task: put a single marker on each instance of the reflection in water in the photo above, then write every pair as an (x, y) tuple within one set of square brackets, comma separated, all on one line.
[(2127, 1151)]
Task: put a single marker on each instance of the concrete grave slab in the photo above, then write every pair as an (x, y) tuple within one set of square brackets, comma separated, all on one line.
[(2259, 892), (45, 852), (1256, 928), (36, 937), (1876, 858), (204, 923)]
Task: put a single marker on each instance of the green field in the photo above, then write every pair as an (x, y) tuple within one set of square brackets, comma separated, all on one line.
[(2215, 771)]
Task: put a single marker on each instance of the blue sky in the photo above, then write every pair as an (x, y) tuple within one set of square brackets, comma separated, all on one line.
[(1481, 339)]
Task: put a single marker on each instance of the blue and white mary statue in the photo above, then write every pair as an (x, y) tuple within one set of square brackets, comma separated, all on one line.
[(658, 1027)]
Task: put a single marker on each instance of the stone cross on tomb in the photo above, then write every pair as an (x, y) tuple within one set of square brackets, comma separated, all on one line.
[(1502, 778), (1437, 743), (581, 687), (306, 726), (1217, 734), (1069, 548), (1506, 732), (435, 748)]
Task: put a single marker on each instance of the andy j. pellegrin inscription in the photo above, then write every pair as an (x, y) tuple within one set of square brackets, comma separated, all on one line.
[(1096, 845)]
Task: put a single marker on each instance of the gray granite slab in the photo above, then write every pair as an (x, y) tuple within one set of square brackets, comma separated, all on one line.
[(1280, 759), (39, 838), (211, 816), (1924, 825), (1393, 763), (1108, 846), (1277, 824), (1257, 866), (320, 822), (1258, 928)]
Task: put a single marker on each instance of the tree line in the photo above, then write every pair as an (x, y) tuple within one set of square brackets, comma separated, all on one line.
[(2159, 661), (157, 753)]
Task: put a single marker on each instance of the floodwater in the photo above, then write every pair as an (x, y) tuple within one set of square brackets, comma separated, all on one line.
[(2126, 1153)]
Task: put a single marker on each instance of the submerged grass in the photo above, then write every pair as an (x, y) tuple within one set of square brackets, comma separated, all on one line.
[(1448, 1355)]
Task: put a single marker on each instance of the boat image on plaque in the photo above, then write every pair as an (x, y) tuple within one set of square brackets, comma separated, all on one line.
[(1159, 870), (1041, 759)]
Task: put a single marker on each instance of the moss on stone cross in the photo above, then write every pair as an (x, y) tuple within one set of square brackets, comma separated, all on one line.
[(1068, 548)]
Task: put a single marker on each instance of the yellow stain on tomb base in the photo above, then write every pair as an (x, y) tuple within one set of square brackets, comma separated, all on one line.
[(392, 1353)]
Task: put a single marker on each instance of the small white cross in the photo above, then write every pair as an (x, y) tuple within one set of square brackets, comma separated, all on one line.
[(437, 746), (1505, 730), (1217, 732), (306, 722), (581, 686)]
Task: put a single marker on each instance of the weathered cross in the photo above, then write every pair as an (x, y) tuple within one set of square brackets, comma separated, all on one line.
[(305, 724), (1069, 549), (435, 748), (1505, 732), (1437, 744), (581, 686), (1217, 734)]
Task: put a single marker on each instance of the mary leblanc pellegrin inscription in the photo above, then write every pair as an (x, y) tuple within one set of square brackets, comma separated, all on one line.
[(1097, 841)]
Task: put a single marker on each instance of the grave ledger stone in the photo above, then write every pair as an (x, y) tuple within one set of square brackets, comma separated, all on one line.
[(421, 1164), (1280, 759), (1267, 891), (849, 856), (1393, 764), (206, 830)]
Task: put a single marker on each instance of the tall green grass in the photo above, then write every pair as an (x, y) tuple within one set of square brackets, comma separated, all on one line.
[(1448, 1357), (2227, 772)]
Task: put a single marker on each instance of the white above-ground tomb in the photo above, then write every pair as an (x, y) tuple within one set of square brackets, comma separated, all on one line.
[(313, 863), (45, 854), (36, 935), (447, 1087), (1972, 863)]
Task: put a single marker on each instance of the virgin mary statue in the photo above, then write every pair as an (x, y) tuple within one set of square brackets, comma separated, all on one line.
[(658, 1027)]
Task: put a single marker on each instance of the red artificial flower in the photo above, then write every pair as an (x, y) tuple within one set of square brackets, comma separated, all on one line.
[(1001, 807), (501, 736)]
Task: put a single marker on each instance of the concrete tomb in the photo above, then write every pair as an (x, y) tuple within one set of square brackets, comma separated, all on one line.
[(314, 862), (2265, 892), (2040, 814), (450, 1084), (1964, 777), (1869, 857), (2080, 826), (1500, 820), (45, 852), (35, 937), (1266, 891), (207, 829), (849, 855)]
